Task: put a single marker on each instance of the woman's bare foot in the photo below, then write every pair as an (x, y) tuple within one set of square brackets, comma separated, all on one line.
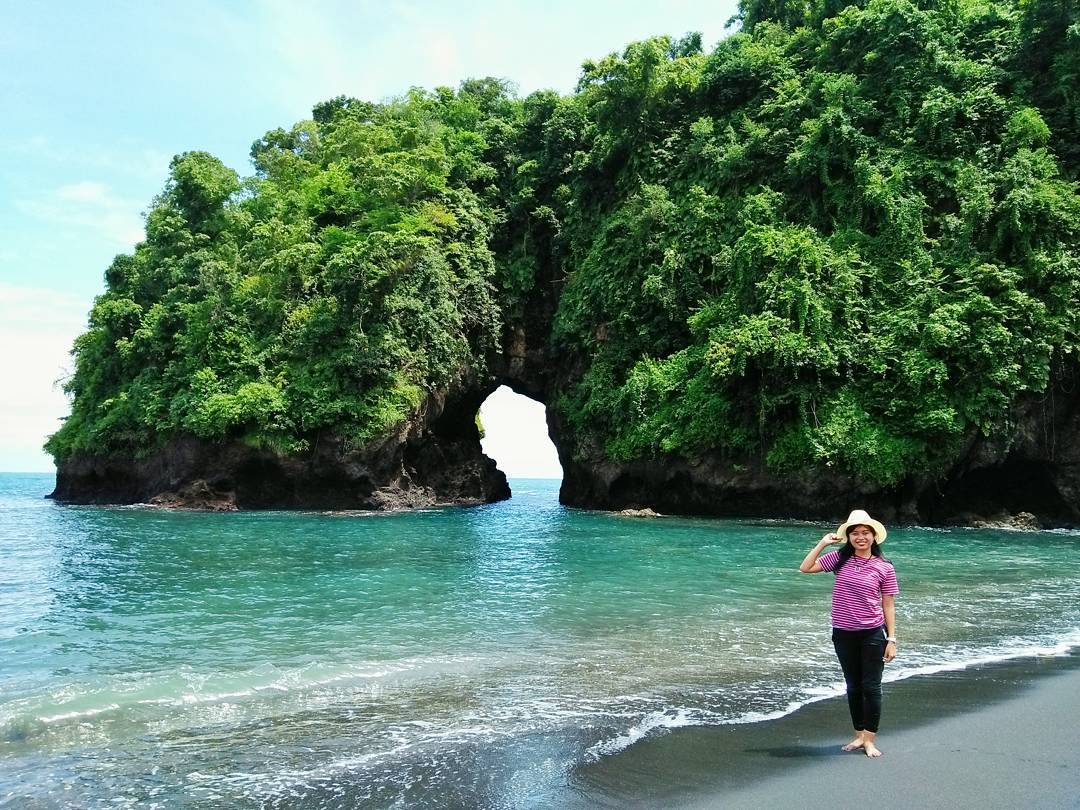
[(855, 744), (868, 746)]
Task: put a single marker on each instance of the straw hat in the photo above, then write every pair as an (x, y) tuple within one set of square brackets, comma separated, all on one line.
[(860, 518)]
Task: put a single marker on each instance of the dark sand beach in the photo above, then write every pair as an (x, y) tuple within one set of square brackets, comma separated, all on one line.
[(998, 735)]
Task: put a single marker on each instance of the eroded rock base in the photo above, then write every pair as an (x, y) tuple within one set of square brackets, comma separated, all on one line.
[(434, 459)]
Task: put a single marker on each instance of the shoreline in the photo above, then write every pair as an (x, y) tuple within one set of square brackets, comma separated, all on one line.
[(973, 737), (1020, 522)]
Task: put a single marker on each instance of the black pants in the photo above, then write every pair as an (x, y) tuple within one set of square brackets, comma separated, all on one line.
[(860, 653)]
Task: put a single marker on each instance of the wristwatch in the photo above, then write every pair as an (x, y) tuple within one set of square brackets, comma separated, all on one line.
[(890, 638)]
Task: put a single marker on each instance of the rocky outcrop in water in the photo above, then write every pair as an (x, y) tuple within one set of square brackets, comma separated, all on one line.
[(1030, 480), (434, 459), (1027, 480)]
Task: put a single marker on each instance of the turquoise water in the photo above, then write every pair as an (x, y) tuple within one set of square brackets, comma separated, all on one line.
[(459, 657)]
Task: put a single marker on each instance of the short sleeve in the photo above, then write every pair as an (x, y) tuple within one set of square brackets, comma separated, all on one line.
[(888, 582), (828, 561)]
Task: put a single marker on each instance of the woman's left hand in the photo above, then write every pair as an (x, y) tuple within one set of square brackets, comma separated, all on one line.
[(890, 651)]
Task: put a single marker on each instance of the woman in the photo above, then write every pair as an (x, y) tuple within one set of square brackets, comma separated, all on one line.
[(863, 617)]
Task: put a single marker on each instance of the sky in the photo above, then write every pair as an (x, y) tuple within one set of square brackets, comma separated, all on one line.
[(96, 98)]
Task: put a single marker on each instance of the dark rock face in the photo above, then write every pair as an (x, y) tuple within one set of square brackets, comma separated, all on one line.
[(1036, 469), (714, 486), (434, 459), (1030, 480), (197, 495)]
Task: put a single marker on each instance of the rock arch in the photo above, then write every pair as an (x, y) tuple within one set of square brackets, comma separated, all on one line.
[(435, 457)]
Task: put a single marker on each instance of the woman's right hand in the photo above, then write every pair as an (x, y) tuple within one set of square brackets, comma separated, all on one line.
[(810, 565)]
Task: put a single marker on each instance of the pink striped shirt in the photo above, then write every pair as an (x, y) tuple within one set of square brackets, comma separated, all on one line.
[(856, 596)]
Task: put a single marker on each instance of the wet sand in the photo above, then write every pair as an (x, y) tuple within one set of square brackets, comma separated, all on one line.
[(1003, 735)]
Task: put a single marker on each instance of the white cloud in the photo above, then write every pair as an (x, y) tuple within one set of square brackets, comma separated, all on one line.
[(373, 51), (86, 192), (130, 159), (301, 53), (90, 206), (37, 328), (39, 308), (443, 57)]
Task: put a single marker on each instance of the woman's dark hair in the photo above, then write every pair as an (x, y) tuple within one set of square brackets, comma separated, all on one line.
[(848, 549)]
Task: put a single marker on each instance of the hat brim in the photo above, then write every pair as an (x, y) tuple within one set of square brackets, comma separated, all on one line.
[(880, 532)]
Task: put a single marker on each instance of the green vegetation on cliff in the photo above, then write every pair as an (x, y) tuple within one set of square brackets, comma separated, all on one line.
[(840, 239), (331, 291), (846, 237)]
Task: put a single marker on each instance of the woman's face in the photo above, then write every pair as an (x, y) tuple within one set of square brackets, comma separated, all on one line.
[(861, 537)]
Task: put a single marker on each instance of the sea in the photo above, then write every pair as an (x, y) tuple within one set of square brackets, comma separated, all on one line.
[(457, 657)]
